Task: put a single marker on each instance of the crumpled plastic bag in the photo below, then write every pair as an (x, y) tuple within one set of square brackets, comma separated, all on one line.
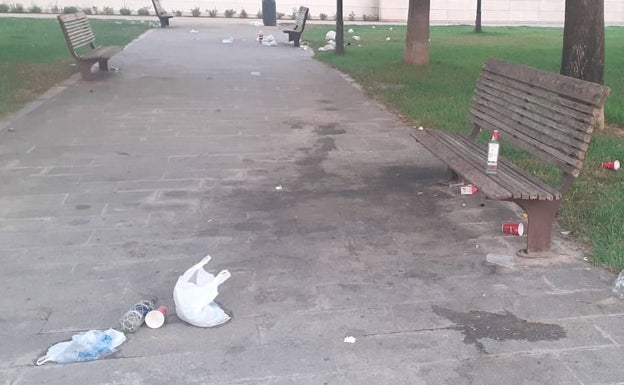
[(331, 35), (86, 346), (194, 296)]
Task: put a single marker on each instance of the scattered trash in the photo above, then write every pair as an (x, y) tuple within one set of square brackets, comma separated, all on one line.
[(132, 320), (269, 41), (373, 27), (229, 40), (279, 187), (525, 215), (585, 259), (500, 260), (356, 38), (350, 30), (388, 38), (330, 46), (256, 23), (618, 285), (156, 318), (565, 232), (350, 340), (11, 129), (194, 31), (513, 228), (390, 29), (260, 37), (118, 22), (255, 73), (194, 295), (420, 128), (331, 35), (359, 45), (86, 346), (468, 189), (611, 165)]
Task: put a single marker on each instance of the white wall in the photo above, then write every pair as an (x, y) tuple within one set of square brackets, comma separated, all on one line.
[(507, 12)]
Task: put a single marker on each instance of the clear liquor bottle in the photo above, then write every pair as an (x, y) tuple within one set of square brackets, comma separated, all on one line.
[(492, 154)]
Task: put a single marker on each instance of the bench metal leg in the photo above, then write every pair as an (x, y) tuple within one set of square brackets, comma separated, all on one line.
[(164, 22), (103, 64), (85, 70), (541, 218)]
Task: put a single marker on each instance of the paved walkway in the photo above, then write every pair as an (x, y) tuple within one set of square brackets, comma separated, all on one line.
[(316, 199)]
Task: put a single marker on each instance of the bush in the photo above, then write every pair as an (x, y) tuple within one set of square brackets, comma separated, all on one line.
[(125, 11), (4, 8), (108, 11), (323, 16), (242, 14), (293, 14), (143, 11), (178, 12), (229, 13), (94, 10), (213, 12), (35, 9), (70, 9), (87, 11), (259, 14), (352, 16), (370, 18), (280, 15), (195, 12), (17, 8)]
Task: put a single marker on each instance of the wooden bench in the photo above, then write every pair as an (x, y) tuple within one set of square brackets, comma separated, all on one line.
[(81, 43), (161, 13), (547, 115), (294, 31)]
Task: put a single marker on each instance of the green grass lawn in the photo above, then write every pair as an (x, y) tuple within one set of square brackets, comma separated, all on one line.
[(34, 56), (439, 95)]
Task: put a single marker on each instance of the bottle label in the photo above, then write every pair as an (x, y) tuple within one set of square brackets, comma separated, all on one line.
[(492, 153)]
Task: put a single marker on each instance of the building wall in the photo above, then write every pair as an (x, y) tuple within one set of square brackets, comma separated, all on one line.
[(506, 12)]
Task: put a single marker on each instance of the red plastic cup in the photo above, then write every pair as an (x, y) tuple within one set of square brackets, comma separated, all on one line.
[(156, 318), (612, 165), (513, 228)]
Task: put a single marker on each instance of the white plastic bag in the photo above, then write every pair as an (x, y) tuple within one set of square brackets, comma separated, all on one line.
[(86, 346), (194, 295)]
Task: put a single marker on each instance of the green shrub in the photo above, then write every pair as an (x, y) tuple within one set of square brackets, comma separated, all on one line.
[(322, 16), (34, 9), (352, 16), (70, 9), (213, 12), (178, 13), (229, 13), (280, 15), (94, 10), (87, 11), (108, 11), (195, 12), (55, 9), (125, 11), (243, 14), (293, 13), (17, 8), (370, 18), (143, 11), (259, 14), (4, 8)]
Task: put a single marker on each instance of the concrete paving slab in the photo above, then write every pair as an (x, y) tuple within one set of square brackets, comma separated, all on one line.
[(332, 220)]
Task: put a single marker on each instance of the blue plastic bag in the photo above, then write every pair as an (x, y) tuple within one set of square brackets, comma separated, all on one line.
[(87, 346)]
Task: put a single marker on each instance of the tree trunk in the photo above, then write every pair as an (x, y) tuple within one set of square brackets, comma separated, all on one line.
[(478, 20), (339, 28), (417, 39), (583, 54)]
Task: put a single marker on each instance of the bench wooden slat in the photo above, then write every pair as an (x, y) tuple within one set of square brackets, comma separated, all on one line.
[(294, 31), (538, 110), (574, 89)]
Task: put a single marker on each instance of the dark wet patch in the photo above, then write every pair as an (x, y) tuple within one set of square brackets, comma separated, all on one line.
[(251, 226), (235, 349), (331, 109), (175, 194), (329, 129), (325, 101), (122, 153), (476, 325), (83, 207), (406, 178), (79, 221)]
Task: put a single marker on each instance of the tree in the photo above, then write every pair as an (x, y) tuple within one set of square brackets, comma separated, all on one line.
[(478, 20), (583, 55), (339, 28), (417, 38)]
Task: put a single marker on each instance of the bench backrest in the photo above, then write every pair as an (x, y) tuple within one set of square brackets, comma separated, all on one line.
[(159, 9), (546, 114), (300, 21), (77, 31)]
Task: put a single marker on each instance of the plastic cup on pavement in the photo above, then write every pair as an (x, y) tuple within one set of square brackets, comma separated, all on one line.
[(513, 228), (156, 318)]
